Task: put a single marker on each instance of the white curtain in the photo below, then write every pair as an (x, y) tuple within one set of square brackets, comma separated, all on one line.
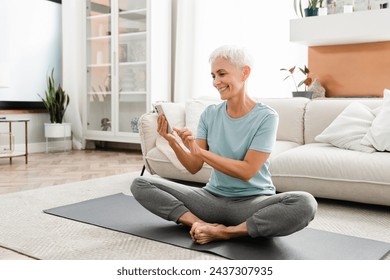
[(183, 49), (260, 26), (73, 78)]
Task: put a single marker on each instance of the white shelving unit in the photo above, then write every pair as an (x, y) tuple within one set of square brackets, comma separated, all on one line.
[(339, 29), (125, 41)]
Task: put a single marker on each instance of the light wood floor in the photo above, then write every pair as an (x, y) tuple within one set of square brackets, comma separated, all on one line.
[(48, 169)]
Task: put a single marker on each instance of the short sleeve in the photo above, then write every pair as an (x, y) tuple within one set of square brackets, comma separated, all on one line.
[(202, 126), (265, 137)]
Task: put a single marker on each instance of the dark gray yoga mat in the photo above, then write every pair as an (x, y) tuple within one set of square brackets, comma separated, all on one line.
[(123, 213)]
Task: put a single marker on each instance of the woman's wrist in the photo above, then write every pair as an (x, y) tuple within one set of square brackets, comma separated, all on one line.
[(172, 142)]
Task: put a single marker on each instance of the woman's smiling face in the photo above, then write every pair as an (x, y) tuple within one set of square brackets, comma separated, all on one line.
[(228, 79)]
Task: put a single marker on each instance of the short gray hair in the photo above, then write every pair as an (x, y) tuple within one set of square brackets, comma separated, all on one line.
[(239, 56)]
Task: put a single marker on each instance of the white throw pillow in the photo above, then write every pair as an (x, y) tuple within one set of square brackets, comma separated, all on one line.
[(379, 133), (348, 129), (174, 116), (163, 146), (194, 108)]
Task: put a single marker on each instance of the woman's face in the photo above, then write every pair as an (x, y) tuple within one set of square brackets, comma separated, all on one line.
[(228, 79)]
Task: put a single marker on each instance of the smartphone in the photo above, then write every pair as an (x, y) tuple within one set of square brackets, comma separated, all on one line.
[(160, 112)]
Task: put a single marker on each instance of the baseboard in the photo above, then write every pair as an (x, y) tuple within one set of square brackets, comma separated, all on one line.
[(53, 145), (58, 145)]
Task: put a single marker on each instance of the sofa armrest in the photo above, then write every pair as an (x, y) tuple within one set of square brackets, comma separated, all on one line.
[(148, 132)]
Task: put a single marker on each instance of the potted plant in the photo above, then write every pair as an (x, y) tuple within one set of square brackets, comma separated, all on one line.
[(306, 81), (56, 102), (311, 10), (323, 9)]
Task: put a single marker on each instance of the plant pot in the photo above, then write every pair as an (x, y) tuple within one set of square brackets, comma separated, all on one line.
[(348, 9), (306, 94), (57, 130), (322, 11), (309, 12)]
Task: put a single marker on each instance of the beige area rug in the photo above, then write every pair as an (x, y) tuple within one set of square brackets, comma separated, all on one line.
[(26, 229)]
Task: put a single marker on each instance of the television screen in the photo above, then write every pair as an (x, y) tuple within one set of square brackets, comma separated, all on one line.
[(30, 47)]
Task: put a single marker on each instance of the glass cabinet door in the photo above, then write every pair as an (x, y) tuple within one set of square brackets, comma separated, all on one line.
[(119, 58), (99, 65), (132, 57)]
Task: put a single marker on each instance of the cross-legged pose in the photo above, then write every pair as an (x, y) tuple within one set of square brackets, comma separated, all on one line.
[(235, 138)]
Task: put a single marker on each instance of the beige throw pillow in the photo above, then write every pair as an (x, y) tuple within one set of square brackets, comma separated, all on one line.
[(379, 133), (349, 128), (194, 108)]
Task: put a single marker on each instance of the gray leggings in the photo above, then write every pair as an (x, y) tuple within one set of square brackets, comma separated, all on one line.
[(266, 216)]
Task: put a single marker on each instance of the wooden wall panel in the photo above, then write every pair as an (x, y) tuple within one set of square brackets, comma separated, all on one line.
[(352, 70)]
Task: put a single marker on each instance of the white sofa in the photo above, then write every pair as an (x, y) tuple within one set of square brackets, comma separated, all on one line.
[(298, 161)]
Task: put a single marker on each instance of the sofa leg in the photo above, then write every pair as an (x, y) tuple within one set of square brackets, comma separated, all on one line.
[(143, 170)]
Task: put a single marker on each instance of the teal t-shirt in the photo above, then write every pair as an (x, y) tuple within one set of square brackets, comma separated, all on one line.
[(232, 138)]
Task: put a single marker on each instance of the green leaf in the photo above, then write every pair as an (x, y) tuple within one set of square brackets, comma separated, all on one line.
[(56, 101), (296, 5)]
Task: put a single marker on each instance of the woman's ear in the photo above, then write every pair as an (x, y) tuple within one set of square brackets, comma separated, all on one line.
[(246, 70)]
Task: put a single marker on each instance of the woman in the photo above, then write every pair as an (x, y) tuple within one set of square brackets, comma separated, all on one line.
[(236, 138)]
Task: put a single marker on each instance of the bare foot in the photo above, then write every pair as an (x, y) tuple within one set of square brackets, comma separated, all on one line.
[(203, 233)]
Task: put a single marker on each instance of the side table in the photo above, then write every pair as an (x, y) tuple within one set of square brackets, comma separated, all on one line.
[(14, 153)]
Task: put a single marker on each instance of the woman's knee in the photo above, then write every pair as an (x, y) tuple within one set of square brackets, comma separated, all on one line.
[(137, 186), (309, 204)]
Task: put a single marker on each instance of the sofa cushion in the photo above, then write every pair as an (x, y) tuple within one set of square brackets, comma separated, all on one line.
[(166, 150), (320, 113), (158, 163), (379, 133), (290, 111), (194, 108), (291, 117), (175, 113), (330, 172), (282, 146), (348, 129)]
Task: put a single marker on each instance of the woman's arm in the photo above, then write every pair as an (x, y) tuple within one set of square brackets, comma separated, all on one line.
[(242, 169), (191, 162)]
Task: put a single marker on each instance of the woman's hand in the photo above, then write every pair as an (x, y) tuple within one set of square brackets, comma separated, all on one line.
[(162, 129), (188, 139), (190, 161)]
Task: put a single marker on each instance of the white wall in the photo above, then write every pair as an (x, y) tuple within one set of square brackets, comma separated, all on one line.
[(264, 29), (261, 26), (30, 33), (36, 139)]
